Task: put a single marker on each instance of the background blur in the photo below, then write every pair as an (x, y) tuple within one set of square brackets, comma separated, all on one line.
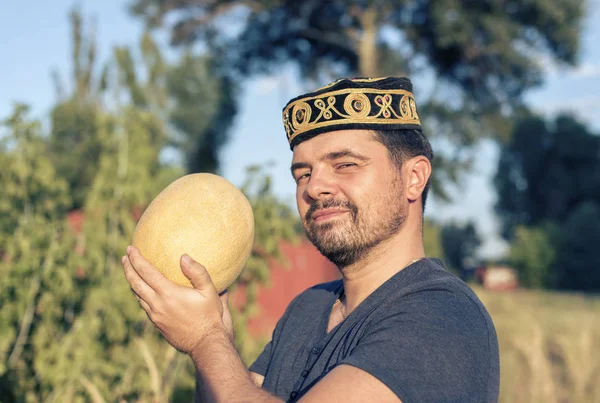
[(102, 104)]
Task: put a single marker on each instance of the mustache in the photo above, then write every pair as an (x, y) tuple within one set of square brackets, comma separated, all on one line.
[(330, 203)]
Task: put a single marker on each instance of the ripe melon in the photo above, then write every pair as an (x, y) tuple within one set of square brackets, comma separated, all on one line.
[(205, 216)]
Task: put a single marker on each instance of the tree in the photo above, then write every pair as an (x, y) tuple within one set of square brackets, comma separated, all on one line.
[(38, 288), (578, 255), (548, 182), (70, 327), (186, 95), (74, 142), (545, 171), (480, 55), (432, 239), (459, 242), (533, 254)]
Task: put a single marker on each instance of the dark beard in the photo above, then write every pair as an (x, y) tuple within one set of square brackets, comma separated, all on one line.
[(355, 237)]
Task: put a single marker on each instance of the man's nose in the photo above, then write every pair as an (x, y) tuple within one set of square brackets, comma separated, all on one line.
[(320, 185)]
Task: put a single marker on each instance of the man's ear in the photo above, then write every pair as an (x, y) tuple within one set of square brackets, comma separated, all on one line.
[(418, 170)]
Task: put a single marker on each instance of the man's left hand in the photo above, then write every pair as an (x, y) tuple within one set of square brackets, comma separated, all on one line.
[(184, 315)]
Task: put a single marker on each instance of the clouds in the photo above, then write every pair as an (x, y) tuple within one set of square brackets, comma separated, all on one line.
[(584, 107), (573, 90), (585, 70)]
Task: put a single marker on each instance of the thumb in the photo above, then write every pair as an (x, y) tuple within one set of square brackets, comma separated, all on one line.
[(196, 273)]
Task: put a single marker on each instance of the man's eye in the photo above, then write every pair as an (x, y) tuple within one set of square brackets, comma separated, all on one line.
[(302, 177), (346, 165)]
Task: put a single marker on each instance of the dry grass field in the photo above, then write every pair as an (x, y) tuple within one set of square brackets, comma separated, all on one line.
[(549, 345)]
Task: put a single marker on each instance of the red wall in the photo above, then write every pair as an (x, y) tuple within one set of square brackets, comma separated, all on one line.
[(306, 267)]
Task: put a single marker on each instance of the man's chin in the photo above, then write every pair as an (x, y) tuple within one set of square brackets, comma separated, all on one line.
[(329, 242)]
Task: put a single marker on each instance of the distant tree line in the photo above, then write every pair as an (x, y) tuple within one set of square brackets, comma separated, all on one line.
[(548, 184)]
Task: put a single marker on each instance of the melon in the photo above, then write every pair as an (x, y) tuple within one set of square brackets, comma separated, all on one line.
[(205, 216)]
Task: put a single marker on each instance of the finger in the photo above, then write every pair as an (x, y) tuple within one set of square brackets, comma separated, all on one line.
[(150, 274), (197, 274), (224, 297), (136, 283), (145, 306)]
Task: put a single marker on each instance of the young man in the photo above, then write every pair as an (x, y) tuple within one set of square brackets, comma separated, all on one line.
[(397, 327)]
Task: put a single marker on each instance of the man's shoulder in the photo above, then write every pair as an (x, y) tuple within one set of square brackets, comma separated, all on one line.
[(318, 294), (308, 305), (431, 275), (435, 294), (430, 325)]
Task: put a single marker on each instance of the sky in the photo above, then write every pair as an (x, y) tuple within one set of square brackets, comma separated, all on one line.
[(35, 40)]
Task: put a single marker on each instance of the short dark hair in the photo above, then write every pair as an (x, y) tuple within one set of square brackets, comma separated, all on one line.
[(404, 144)]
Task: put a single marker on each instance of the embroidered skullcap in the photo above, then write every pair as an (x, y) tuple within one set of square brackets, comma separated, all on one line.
[(385, 103)]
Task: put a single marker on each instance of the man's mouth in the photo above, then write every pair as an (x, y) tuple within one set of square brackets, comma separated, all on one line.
[(326, 214)]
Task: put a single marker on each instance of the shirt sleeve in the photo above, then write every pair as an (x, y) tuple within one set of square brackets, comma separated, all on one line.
[(261, 364), (434, 348)]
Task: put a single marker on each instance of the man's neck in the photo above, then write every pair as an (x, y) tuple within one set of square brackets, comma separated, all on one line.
[(379, 265)]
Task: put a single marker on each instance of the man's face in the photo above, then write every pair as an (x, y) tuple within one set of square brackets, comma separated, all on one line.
[(349, 194)]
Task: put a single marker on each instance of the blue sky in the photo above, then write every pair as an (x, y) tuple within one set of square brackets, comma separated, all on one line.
[(35, 39)]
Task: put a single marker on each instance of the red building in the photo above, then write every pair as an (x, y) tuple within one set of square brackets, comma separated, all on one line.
[(306, 267)]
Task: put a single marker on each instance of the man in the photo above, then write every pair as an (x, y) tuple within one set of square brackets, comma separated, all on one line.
[(397, 327)]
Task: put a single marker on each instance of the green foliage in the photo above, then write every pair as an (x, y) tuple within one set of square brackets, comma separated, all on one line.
[(126, 358), (202, 110), (546, 170), (183, 98), (187, 95), (550, 173), (74, 145), (432, 240), (578, 265), (30, 185), (459, 243), (70, 326), (39, 294), (195, 95), (533, 255)]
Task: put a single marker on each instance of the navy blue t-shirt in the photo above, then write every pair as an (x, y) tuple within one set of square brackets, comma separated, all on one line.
[(423, 333)]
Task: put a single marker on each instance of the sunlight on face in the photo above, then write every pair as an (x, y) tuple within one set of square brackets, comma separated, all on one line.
[(349, 194)]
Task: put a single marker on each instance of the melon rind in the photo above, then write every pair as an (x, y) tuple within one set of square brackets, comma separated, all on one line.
[(205, 216)]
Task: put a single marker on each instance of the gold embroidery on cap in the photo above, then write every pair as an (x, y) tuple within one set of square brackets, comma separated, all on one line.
[(301, 115), (358, 108), (326, 109), (385, 102), (413, 108), (357, 105)]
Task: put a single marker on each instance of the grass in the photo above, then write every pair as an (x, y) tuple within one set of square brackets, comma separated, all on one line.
[(549, 345)]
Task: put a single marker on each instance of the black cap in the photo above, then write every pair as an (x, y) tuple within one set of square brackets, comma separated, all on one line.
[(385, 103)]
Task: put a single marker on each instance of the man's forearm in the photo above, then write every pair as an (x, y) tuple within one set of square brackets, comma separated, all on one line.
[(221, 375)]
